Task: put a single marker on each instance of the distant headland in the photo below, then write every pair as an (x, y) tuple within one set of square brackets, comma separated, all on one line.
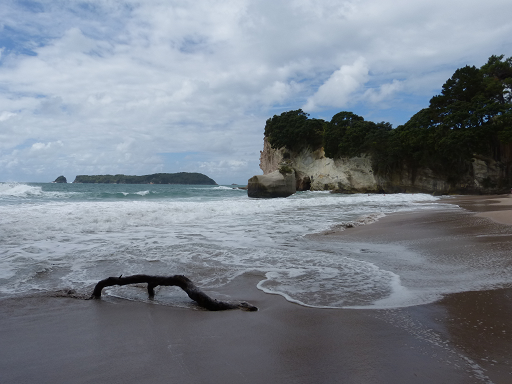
[(156, 178)]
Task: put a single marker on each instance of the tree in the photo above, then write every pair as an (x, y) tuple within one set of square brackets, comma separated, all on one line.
[(457, 106), (335, 140), (470, 117), (497, 75)]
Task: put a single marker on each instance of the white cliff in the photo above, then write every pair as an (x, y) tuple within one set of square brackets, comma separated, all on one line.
[(347, 174), (314, 171)]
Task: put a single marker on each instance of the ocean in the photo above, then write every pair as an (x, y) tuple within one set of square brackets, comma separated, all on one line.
[(56, 237)]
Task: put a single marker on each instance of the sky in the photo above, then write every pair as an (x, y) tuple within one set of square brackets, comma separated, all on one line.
[(141, 87)]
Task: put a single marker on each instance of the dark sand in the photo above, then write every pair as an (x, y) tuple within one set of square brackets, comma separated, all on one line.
[(463, 338)]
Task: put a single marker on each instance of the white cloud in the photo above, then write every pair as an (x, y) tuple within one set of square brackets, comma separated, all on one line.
[(38, 147), (6, 115), (386, 91), (339, 87), (120, 82)]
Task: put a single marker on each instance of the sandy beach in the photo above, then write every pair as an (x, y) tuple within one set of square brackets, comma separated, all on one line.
[(463, 338)]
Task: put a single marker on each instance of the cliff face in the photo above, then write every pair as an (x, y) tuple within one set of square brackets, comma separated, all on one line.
[(352, 175), (316, 172)]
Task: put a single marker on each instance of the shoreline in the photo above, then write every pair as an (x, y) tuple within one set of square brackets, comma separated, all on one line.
[(48, 340), (497, 208), (463, 338), (476, 322)]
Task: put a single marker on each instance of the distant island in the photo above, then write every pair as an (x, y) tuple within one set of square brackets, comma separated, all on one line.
[(157, 178)]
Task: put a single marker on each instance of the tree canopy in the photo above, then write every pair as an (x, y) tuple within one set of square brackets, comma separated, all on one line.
[(294, 130)]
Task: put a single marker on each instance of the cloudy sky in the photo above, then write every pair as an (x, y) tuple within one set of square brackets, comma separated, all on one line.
[(139, 87)]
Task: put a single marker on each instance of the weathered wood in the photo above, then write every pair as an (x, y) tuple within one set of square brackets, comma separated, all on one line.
[(202, 299)]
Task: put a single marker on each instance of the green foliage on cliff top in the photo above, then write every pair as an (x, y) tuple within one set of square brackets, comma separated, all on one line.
[(157, 178), (294, 130), (472, 116)]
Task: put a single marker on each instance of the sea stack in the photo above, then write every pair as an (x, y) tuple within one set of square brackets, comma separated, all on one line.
[(274, 184), (60, 179)]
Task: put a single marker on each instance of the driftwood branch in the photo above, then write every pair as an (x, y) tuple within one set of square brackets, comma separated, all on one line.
[(202, 299)]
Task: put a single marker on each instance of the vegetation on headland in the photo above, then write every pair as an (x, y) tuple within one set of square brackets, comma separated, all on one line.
[(157, 178), (472, 117)]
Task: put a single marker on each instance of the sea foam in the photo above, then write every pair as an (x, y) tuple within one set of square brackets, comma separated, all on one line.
[(70, 237), (19, 190)]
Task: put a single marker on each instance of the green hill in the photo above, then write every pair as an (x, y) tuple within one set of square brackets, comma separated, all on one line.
[(157, 178)]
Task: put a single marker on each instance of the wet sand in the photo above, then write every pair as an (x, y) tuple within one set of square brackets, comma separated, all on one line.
[(463, 338)]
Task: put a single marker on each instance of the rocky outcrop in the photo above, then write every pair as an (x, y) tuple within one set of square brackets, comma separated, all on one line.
[(314, 171), (273, 184), (60, 179)]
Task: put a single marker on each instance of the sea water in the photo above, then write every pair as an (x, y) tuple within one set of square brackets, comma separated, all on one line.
[(69, 236)]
